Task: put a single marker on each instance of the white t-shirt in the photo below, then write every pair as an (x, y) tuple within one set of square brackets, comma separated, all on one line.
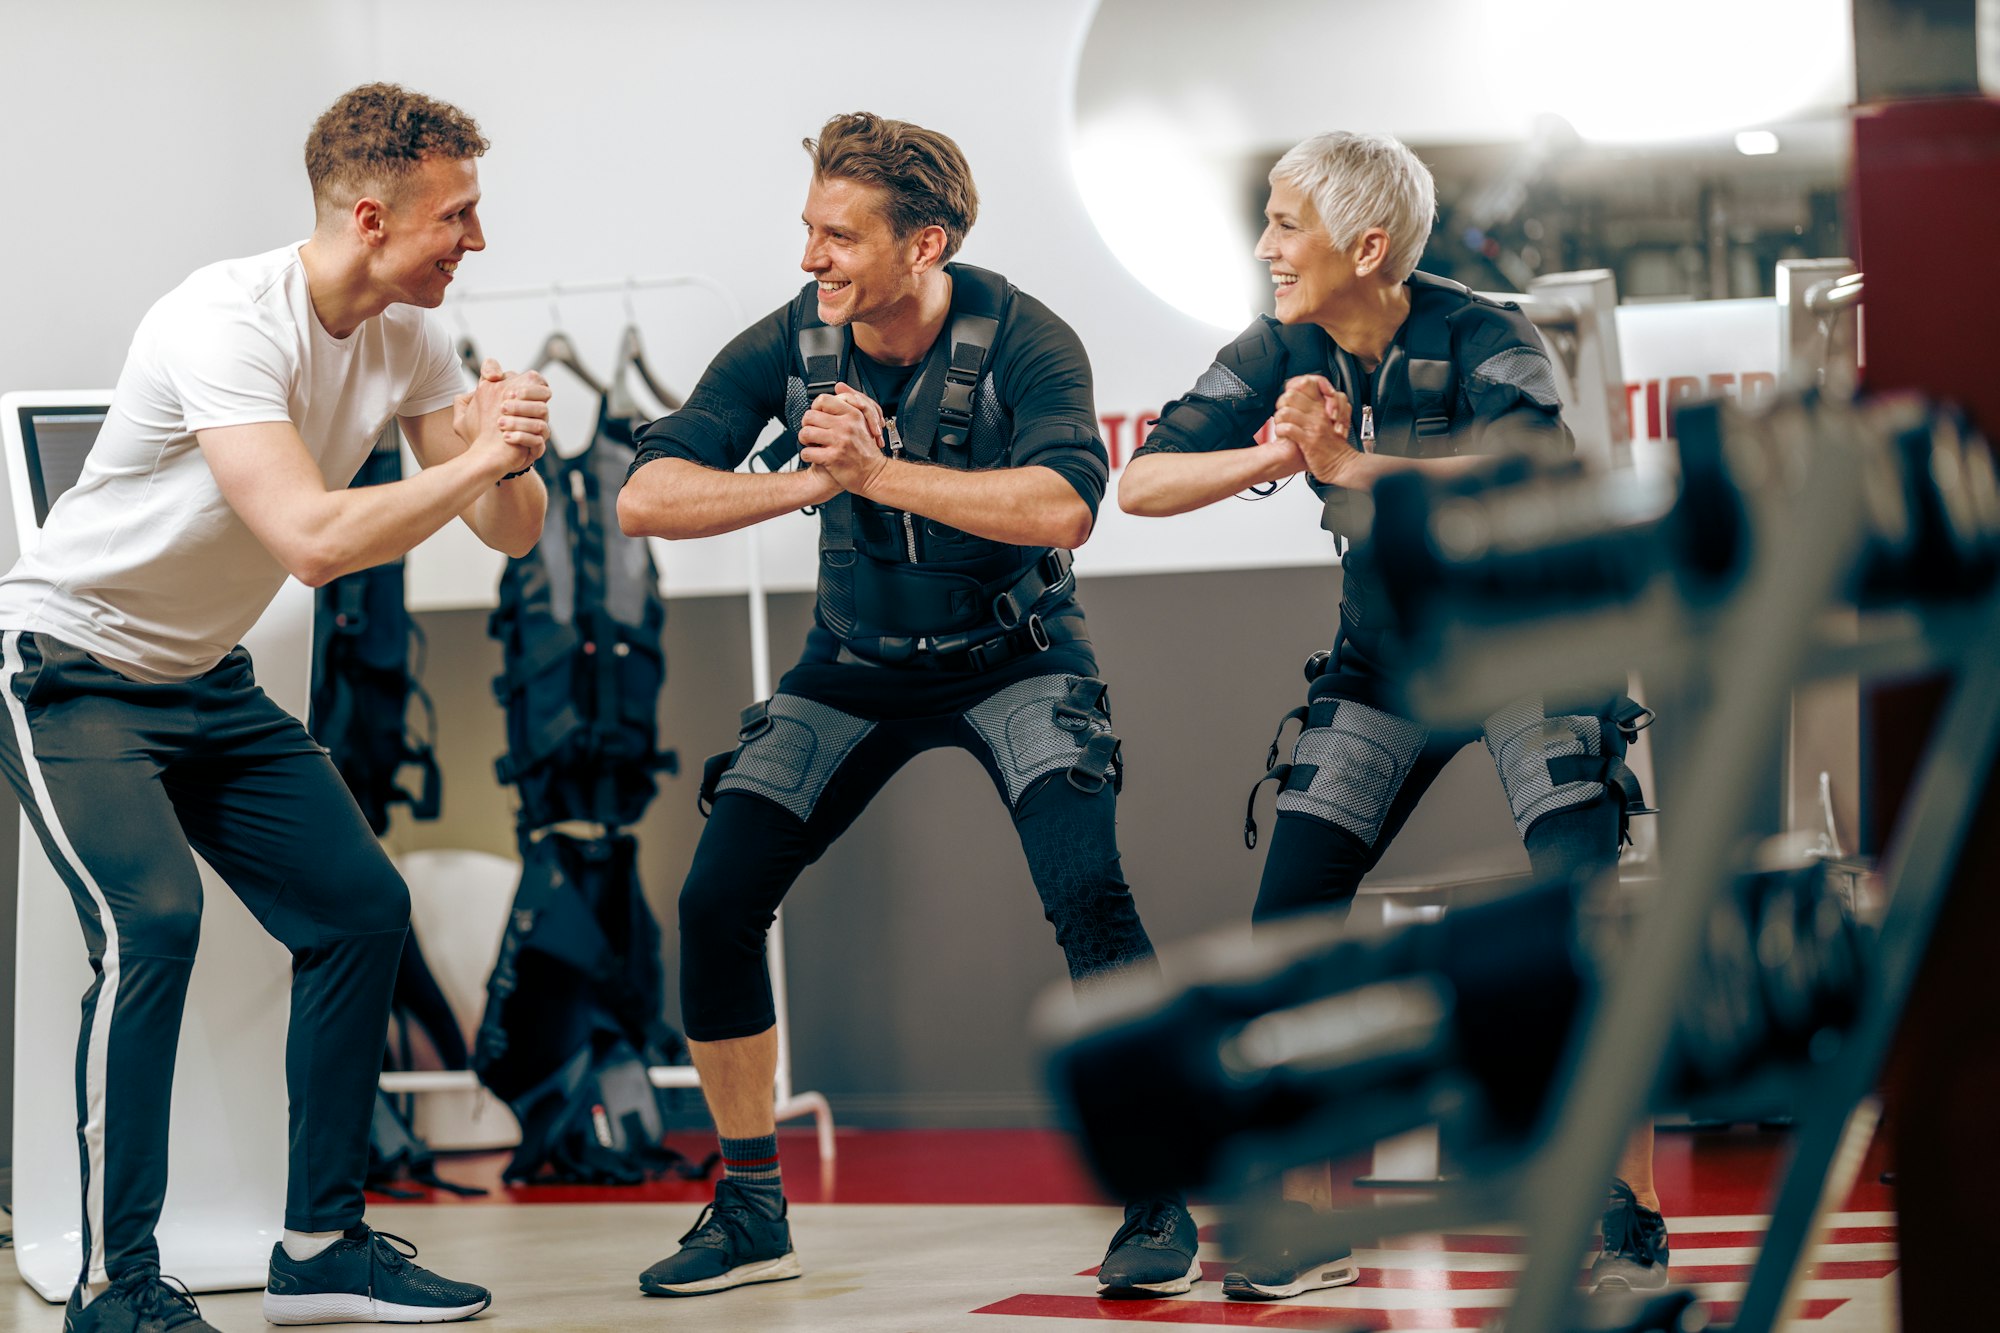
[(143, 563)]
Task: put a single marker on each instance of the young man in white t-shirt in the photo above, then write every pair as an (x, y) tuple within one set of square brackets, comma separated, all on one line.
[(134, 727)]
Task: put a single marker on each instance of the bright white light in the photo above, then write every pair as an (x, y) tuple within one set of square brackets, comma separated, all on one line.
[(1629, 73), (1169, 212), (1756, 143)]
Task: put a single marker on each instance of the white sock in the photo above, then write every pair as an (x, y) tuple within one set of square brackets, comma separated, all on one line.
[(304, 1245)]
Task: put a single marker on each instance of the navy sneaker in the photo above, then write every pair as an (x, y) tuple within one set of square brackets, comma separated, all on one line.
[(1287, 1273), (1152, 1254), (365, 1277), (140, 1303), (732, 1243), (1635, 1246)]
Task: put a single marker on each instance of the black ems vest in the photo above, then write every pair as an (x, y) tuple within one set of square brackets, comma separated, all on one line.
[(1415, 398), (901, 588), (580, 623)]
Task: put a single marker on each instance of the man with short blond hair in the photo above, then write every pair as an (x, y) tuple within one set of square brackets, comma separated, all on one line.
[(135, 728)]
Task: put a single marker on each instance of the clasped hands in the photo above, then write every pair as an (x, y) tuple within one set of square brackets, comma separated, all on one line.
[(841, 440), (505, 415), (1311, 426)]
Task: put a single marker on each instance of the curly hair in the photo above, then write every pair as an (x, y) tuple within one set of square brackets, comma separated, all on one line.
[(923, 172), (374, 137)]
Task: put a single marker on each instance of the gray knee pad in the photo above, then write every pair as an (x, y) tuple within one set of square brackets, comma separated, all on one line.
[(788, 754), (1347, 773), (1523, 741), (1046, 724)]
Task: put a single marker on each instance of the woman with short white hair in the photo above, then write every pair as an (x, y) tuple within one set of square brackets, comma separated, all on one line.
[(1368, 367)]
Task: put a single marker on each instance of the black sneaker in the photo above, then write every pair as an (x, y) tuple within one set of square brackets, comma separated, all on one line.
[(1281, 1276), (1635, 1246), (141, 1303), (732, 1243), (1152, 1254), (365, 1277)]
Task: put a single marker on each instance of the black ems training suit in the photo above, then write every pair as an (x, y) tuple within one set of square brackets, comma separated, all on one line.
[(1464, 374), (924, 636)]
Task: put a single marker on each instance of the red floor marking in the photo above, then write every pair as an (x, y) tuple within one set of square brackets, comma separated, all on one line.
[(1698, 1172), (1234, 1314), (870, 1166), (1245, 1314), (1484, 1243), (1725, 1311), (1475, 1279)]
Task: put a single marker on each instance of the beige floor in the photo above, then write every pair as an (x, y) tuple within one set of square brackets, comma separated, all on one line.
[(878, 1269)]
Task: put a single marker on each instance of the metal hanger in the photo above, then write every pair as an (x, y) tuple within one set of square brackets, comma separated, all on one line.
[(632, 357), (468, 351), (558, 350)]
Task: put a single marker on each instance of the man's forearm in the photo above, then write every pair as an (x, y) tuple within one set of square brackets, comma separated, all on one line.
[(365, 526), (509, 517), (1021, 506), (677, 499), (1159, 485)]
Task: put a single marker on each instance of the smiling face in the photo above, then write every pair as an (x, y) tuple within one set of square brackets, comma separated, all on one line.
[(866, 273), (1313, 276), (432, 223)]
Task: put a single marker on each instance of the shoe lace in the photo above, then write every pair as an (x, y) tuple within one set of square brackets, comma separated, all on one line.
[(1153, 1217), (152, 1295), (711, 1229), (387, 1250), (1629, 1226)]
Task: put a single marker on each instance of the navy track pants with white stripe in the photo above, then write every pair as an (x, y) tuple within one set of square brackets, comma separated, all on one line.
[(120, 779)]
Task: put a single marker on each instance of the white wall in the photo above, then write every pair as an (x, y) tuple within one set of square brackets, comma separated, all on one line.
[(629, 139)]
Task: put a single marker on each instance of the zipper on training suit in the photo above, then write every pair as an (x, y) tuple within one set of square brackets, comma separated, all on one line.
[(895, 439)]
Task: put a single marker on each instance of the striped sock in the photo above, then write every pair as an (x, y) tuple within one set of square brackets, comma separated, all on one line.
[(753, 1165)]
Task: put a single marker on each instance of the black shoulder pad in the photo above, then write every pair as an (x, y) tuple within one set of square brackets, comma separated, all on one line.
[(977, 291), (1486, 327), (1301, 348), (1430, 282)]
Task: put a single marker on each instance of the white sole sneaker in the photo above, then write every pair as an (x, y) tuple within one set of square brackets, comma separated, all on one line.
[(335, 1307), (1171, 1287), (1339, 1274), (764, 1270)]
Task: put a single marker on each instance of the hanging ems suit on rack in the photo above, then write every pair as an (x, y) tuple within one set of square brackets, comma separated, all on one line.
[(946, 438), (573, 1013)]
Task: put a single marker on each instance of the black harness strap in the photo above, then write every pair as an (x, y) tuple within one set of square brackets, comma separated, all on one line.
[(972, 335), (1279, 774), (1086, 699), (1100, 753), (1297, 715), (1011, 608), (753, 722)]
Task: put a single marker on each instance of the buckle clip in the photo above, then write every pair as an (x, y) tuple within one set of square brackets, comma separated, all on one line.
[(956, 406)]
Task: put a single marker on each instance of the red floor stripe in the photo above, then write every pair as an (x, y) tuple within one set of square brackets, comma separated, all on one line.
[(1241, 1314), (1234, 1314), (1485, 1243), (1725, 1311), (1710, 1172), (1461, 1279), (1472, 1279)]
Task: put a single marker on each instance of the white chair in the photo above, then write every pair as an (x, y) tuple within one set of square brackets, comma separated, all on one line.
[(458, 908)]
